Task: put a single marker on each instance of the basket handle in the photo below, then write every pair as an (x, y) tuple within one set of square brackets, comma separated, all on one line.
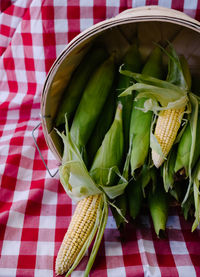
[(41, 156)]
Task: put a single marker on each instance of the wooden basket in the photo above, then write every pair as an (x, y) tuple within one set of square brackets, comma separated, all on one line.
[(149, 24)]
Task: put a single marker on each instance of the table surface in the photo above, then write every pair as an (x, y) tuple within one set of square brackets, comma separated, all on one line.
[(34, 209)]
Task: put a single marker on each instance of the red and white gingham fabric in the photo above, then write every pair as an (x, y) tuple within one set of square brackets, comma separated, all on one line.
[(34, 209)]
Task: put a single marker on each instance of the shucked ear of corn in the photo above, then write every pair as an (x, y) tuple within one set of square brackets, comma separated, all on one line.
[(77, 83), (169, 121), (92, 210)]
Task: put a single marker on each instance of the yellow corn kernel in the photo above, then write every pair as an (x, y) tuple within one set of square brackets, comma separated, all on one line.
[(80, 227), (166, 130)]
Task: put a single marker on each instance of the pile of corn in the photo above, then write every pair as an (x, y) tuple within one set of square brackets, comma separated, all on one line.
[(130, 133)]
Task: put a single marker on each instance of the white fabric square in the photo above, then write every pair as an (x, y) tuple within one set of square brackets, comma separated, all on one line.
[(165, 3), (119, 271), (77, 273), (38, 53), (173, 222), (49, 197), (86, 3), (24, 174), (111, 224), (113, 3), (4, 149), (12, 114), (10, 247), (36, 26), (28, 151), (85, 23), (44, 272), (17, 51), (146, 246), (190, 4), (7, 272), (15, 219), (21, 76), (60, 25), (185, 271), (138, 3), (14, 21), (113, 248), (45, 248), (151, 271), (178, 247), (40, 77), (20, 195), (47, 222)]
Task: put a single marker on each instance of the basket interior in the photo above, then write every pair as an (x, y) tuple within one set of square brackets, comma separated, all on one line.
[(118, 39)]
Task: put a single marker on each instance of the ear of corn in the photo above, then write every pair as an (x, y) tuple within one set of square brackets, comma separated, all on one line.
[(169, 121), (78, 81), (92, 211), (78, 233), (109, 155), (167, 126), (158, 205), (103, 125), (132, 61), (141, 122), (91, 104)]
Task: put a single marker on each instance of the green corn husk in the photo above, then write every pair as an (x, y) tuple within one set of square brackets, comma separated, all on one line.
[(158, 205), (92, 102), (108, 158), (189, 138), (136, 189), (196, 195), (121, 203), (102, 126), (168, 171), (141, 122), (132, 61), (75, 88)]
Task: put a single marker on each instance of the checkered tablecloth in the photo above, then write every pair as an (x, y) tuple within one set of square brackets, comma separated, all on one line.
[(34, 209)]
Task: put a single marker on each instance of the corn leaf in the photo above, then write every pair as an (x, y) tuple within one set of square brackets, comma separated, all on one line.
[(168, 170), (196, 183), (152, 81)]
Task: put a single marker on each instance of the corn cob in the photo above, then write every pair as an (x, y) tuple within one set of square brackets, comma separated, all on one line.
[(80, 227), (79, 79), (167, 126)]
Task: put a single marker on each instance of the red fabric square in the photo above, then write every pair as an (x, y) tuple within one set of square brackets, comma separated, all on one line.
[(29, 234), (47, 12), (26, 261), (5, 30), (132, 259), (73, 12)]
